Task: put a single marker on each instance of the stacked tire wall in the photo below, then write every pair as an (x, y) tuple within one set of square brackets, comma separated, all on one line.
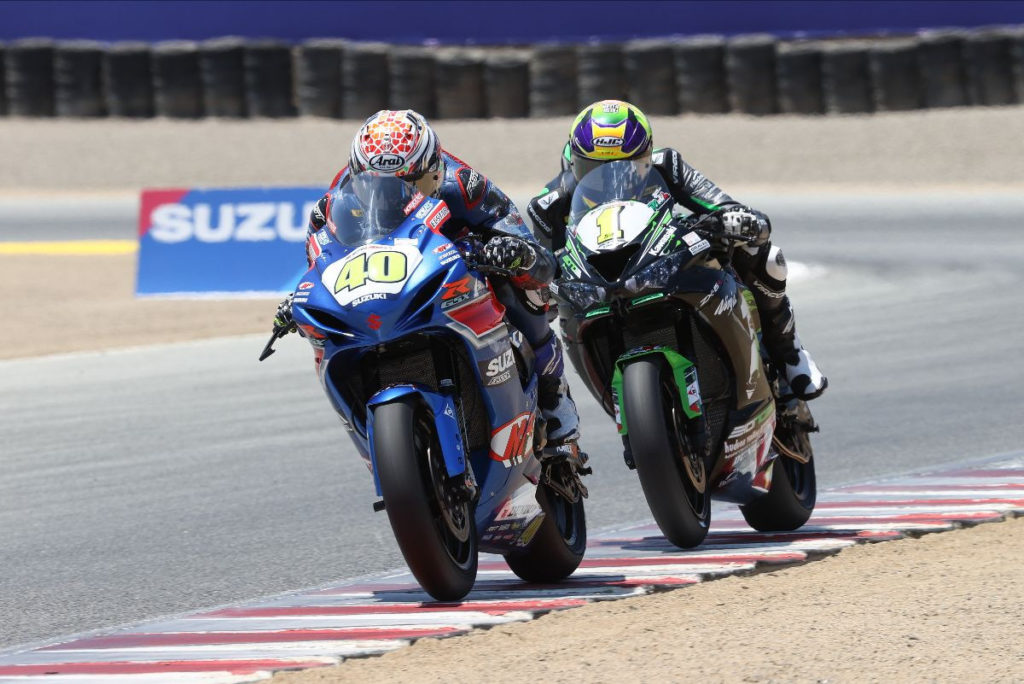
[(757, 74)]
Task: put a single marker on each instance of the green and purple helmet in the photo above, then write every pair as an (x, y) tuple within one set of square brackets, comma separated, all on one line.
[(606, 131)]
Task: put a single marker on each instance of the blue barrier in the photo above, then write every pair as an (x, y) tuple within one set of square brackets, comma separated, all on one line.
[(241, 240), (501, 21)]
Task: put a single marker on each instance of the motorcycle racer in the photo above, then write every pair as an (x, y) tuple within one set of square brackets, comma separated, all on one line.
[(612, 130), (402, 144)]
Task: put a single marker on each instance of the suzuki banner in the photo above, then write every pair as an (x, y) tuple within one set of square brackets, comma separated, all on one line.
[(238, 240)]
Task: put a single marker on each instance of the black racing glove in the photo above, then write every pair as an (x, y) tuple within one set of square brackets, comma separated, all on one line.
[(284, 319), (318, 217), (511, 253), (745, 224)]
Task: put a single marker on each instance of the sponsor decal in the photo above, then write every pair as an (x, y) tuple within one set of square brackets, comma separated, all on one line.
[(386, 162), (449, 258), (658, 158), (443, 248), (322, 237), (373, 321), (413, 203), (211, 222), (456, 288), (663, 241), (306, 285), (423, 211), (700, 247), (312, 250), (437, 218), (368, 298), (608, 141), (545, 201), (512, 441), (498, 370), (449, 412), (691, 238)]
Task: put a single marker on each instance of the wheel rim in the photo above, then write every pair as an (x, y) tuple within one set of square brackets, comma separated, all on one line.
[(692, 471), (452, 518), (800, 474), (565, 518)]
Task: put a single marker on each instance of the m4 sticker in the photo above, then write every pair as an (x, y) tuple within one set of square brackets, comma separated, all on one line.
[(371, 272)]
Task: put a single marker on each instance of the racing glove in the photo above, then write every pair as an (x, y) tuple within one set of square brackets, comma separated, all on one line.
[(511, 253), (743, 223), (318, 216), (283, 318)]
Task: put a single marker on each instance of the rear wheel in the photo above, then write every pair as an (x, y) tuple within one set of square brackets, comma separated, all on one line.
[(557, 548), (790, 501), (435, 530), (675, 481)]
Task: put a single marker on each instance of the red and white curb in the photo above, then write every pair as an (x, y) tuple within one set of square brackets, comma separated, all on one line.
[(357, 618)]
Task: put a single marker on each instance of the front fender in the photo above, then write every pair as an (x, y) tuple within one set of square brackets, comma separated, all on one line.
[(683, 370), (445, 421)]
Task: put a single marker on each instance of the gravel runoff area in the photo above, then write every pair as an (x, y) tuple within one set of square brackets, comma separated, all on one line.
[(942, 608)]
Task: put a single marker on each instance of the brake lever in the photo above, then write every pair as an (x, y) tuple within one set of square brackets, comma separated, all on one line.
[(278, 332)]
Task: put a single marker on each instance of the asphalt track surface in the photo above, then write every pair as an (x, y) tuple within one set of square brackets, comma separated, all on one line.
[(159, 480)]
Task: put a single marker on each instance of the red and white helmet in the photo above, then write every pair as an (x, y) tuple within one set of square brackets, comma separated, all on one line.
[(399, 143)]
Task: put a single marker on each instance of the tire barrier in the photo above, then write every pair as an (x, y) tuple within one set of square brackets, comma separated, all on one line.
[(507, 85), (364, 80), (553, 89), (798, 66), (651, 76), (268, 79), (318, 77), (701, 83), (459, 82), (755, 74), (222, 70), (78, 80), (895, 76), (988, 66), (3, 80), (750, 71), (29, 70), (177, 87), (846, 79), (601, 73), (412, 82), (128, 76), (940, 60)]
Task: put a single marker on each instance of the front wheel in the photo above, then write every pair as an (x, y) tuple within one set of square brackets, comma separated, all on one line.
[(435, 530), (675, 481), (793, 493), (557, 548)]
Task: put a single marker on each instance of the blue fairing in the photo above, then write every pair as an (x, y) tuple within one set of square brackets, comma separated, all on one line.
[(412, 287)]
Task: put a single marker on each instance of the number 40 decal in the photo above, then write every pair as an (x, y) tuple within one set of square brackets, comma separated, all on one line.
[(384, 266), (608, 222)]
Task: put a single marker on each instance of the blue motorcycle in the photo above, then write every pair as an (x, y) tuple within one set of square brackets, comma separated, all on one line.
[(437, 391)]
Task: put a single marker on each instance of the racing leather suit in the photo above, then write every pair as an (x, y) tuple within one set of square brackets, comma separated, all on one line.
[(763, 269), (480, 209)]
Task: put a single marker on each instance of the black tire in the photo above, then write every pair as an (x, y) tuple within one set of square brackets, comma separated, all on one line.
[(790, 501), (653, 418), (437, 538), (558, 546)]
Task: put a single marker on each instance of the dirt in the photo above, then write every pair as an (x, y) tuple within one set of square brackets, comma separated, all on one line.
[(943, 608)]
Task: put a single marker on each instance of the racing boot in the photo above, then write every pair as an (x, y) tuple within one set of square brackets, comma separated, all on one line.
[(778, 330)]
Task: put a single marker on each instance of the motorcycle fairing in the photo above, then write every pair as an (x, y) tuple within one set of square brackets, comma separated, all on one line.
[(748, 454)]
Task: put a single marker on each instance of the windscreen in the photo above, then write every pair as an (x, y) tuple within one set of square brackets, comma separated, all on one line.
[(367, 208), (627, 179)]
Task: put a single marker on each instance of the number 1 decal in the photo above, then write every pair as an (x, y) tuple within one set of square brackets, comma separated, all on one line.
[(608, 222)]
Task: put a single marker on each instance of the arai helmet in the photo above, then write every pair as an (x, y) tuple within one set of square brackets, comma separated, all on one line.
[(399, 143)]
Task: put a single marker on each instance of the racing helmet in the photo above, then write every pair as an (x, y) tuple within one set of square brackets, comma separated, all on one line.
[(399, 143), (609, 130)]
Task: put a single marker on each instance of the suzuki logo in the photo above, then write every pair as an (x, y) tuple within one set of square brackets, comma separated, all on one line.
[(374, 321)]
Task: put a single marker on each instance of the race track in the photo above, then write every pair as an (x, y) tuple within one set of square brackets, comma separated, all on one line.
[(160, 480)]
